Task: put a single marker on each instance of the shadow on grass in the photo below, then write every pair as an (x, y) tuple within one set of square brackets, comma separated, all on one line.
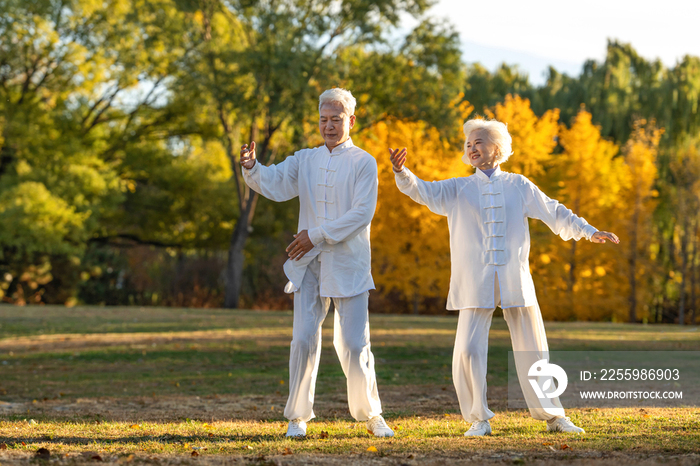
[(167, 439)]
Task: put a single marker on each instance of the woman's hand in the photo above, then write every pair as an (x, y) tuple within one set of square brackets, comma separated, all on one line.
[(602, 236), (398, 158)]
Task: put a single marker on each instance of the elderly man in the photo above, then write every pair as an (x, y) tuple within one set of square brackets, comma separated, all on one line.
[(490, 244), (328, 259)]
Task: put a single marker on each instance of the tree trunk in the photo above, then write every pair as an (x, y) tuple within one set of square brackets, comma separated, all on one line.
[(683, 233), (632, 261), (694, 269), (671, 265), (7, 151), (236, 261), (248, 199), (572, 280), (684, 266)]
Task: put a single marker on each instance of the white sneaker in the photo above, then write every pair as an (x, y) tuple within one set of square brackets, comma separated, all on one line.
[(377, 426), (478, 429), (563, 424), (296, 428)]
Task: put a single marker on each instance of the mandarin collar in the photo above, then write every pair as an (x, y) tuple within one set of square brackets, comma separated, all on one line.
[(339, 149), (484, 177)]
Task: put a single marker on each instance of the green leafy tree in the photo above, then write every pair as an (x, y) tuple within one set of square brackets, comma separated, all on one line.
[(484, 89), (685, 171), (85, 99)]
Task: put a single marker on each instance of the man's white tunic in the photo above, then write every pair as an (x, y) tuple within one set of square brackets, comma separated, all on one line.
[(338, 196), (489, 233)]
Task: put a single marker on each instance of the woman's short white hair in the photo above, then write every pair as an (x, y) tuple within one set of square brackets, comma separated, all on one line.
[(339, 96), (497, 133)]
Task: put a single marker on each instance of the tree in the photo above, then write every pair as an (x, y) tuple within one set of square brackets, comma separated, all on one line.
[(485, 89), (621, 89), (640, 154), (624, 88), (685, 170), (88, 129), (52, 186), (420, 80), (584, 280), (682, 117)]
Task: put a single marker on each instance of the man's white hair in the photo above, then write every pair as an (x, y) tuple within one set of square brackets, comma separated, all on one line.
[(497, 133), (338, 96)]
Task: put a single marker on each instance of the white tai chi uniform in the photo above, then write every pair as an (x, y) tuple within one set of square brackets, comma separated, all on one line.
[(490, 247), (338, 196)]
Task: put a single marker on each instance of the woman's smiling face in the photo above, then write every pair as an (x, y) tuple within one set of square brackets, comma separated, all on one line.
[(481, 151)]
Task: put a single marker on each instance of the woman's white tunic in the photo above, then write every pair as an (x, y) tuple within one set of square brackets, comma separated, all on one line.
[(489, 234), (337, 196)]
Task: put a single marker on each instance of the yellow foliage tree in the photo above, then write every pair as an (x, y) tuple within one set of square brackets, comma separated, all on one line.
[(583, 280), (638, 197), (410, 245)]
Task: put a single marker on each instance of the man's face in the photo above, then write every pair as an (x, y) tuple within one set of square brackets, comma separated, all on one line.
[(480, 150), (334, 124)]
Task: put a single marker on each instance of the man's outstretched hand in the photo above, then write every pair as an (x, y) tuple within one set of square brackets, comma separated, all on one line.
[(300, 246), (398, 158), (248, 155), (602, 236)]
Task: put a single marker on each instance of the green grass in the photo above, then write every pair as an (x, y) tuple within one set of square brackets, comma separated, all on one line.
[(623, 430), (163, 381)]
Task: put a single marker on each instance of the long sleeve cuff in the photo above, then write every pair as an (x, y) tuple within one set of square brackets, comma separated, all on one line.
[(252, 171), (403, 178), (404, 173), (589, 231), (316, 235)]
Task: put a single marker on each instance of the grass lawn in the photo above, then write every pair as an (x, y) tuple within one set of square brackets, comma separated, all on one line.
[(172, 386)]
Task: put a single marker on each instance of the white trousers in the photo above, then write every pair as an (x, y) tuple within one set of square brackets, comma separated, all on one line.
[(351, 341), (469, 360)]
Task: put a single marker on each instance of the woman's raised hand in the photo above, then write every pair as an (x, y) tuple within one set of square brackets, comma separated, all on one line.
[(398, 158)]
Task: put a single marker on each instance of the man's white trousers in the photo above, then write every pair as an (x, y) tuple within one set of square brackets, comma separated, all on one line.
[(351, 341), (469, 360)]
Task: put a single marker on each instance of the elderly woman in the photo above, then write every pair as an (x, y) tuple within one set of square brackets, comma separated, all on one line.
[(490, 242)]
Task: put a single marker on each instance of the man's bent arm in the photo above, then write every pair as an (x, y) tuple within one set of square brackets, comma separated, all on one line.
[(358, 217)]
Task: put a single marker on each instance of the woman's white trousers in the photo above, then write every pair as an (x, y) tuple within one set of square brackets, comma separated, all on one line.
[(469, 360)]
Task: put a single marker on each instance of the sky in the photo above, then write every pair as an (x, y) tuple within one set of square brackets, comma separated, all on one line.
[(563, 33)]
